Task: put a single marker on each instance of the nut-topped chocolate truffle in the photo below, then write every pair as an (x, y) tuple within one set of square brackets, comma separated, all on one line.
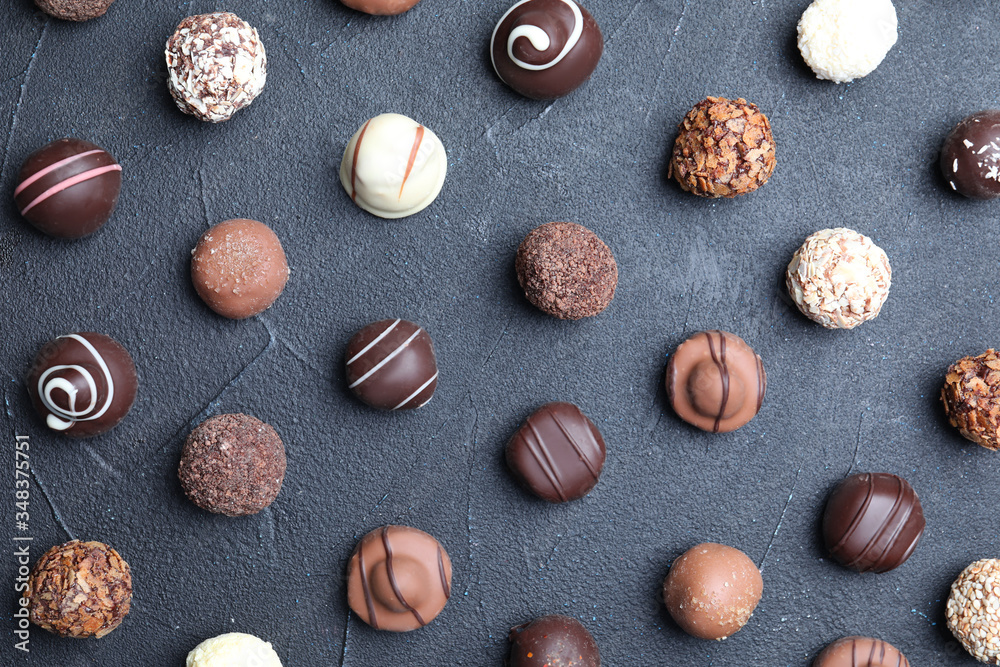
[(973, 610), (83, 384), (971, 397), (715, 381), (553, 641), (79, 589), (860, 652), (391, 365), (398, 579), (873, 522), (970, 156), (724, 148), (546, 49)]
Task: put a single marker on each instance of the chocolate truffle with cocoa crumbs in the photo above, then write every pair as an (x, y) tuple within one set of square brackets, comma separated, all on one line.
[(724, 148), (232, 465), (79, 589), (74, 10), (971, 396), (566, 270)]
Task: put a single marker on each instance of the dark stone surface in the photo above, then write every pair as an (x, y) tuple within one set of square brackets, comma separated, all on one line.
[(862, 155)]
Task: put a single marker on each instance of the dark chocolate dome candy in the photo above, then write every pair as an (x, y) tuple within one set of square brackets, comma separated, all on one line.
[(68, 188), (557, 454), (553, 641), (860, 652), (970, 156), (391, 365), (873, 522), (83, 384), (545, 49)]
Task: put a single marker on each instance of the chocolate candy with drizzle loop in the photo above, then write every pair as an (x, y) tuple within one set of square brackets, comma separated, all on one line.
[(861, 652), (391, 365)]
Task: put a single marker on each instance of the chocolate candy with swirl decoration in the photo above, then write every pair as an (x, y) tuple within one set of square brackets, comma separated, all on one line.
[(398, 579), (860, 652), (83, 384), (546, 49)]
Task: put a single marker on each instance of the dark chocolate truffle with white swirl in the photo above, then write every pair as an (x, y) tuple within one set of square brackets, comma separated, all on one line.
[(860, 652), (553, 641), (715, 381), (970, 156), (68, 188), (83, 384), (398, 579), (873, 522), (557, 454), (545, 49), (391, 365)]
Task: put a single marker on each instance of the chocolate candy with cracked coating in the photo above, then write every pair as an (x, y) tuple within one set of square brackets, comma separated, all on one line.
[(860, 652), (391, 365)]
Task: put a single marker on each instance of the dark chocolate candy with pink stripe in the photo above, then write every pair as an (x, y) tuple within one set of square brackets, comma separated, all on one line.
[(68, 188), (391, 365), (557, 454)]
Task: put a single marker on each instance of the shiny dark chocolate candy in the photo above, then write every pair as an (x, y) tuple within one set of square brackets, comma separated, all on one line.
[(391, 365), (557, 454), (872, 522), (83, 384), (553, 641), (545, 49), (860, 652), (68, 188), (970, 156), (398, 579)]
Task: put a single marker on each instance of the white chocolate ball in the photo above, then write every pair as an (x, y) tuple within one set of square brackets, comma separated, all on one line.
[(233, 649), (843, 40)]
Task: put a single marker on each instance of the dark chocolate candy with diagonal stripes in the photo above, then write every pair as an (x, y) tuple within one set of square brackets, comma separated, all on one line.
[(391, 365), (557, 454), (398, 579), (860, 652), (872, 522)]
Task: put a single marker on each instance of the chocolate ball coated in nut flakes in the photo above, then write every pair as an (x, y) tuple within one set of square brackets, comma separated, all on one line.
[(216, 65), (723, 148), (79, 589), (566, 270), (973, 610), (232, 465), (971, 396), (74, 10)]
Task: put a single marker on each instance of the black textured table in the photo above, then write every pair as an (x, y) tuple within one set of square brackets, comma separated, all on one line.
[(862, 155)]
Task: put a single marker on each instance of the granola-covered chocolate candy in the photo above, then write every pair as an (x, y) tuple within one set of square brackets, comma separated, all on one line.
[(79, 589), (860, 652), (553, 641), (970, 156), (724, 148), (217, 65), (971, 396), (973, 610)]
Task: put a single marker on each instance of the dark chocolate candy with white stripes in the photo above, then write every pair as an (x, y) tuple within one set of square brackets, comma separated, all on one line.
[(398, 579), (557, 454), (391, 365), (715, 381), (873, 522), (860, 652), (68, 188)]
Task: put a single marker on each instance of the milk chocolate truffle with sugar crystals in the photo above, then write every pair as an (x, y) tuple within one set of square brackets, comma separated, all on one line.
[(557, 454), (232, 464), (381, 7), (391, 365), (239, 268), (973, 610), (860, 652), (398, 579), (566, 271), (723, 148), (553, 641), (68, 188), (971, 396), (216, 65), (970, 156), (74, 10), (79, 589), (715, 381), (872, 522), (546, 49), (712, 590), (83, 384), (393, 166)]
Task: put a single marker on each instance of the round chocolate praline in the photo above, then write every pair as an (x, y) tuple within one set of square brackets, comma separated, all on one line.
[(546, 49), (391, 365), (860, 652), (68, 188), (74, 10), (398, 579), (553, 641), (83, 384), (381, 7), (873, 522), (970, 156), (971, 397)]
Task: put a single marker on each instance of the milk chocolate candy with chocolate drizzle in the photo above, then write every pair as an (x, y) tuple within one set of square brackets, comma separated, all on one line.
[(398, 579), (715, 381), (873, 522), (860, 652)]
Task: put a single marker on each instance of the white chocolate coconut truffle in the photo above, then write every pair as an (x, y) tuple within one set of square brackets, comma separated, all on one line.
[(234, 649), (843, 40), (393, 166), (216, 65), (839, 278)]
